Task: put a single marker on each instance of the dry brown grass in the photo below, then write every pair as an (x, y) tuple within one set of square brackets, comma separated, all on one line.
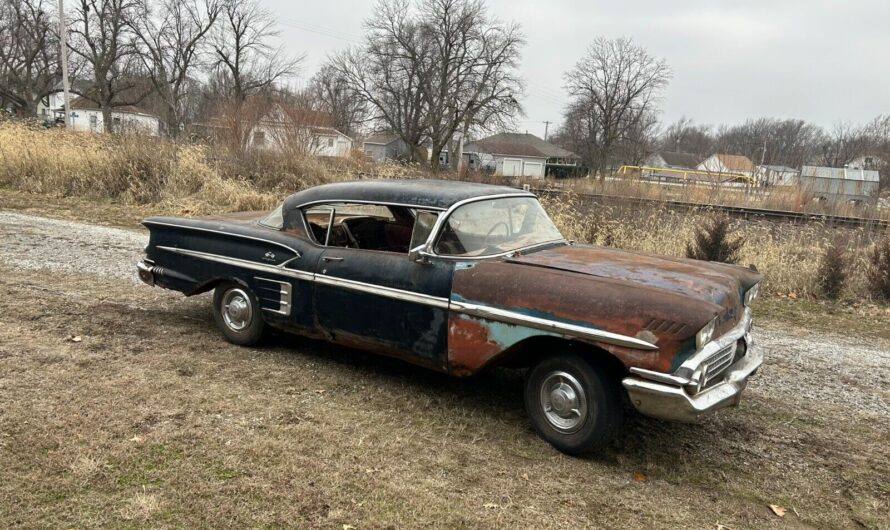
[(787, 254), (159, 176), (153, 421)]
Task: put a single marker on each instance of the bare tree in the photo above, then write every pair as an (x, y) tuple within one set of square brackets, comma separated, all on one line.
[(29, 54), (386, 74), (684, 136), (333, 95), (845, 142), (103, 42), (432, 68), (614, 88), (170, 44), (244, 58), (472, 71)]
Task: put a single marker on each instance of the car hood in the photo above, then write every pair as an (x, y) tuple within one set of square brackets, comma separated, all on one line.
[(717, 283)]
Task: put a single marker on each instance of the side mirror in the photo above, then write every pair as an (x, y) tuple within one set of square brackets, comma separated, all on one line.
[(419, 254)]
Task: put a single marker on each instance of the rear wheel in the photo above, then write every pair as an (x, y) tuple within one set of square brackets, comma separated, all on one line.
[(237, 314), (574, 405)]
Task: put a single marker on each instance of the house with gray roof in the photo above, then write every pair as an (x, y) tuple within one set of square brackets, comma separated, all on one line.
[(519, 155)]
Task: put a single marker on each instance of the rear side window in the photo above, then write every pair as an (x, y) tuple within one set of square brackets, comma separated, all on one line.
[(275, 219)]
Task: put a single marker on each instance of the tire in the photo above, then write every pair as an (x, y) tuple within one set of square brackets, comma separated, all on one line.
[(585, 408), (237, 314)]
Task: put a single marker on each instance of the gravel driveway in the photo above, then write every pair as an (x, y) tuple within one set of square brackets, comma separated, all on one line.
[(810, 424)]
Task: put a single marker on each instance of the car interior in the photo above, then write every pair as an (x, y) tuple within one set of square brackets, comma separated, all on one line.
[(369, 227)]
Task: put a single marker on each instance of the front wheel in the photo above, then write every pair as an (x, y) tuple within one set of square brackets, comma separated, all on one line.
[(574, 405), (237, 314)]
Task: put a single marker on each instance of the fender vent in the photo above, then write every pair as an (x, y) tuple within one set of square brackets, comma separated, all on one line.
[(657, 325)]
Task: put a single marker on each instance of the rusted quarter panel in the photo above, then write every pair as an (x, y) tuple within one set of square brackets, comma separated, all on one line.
[(664, 301)]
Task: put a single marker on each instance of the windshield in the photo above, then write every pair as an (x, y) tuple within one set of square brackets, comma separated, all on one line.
[(495, 226)]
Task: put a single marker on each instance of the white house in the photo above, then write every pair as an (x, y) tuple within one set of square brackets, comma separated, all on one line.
[(279, 130), (87, 116), (518, 155), (735, 164)]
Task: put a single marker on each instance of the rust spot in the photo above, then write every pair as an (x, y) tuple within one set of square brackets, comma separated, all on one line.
[(470, 346)]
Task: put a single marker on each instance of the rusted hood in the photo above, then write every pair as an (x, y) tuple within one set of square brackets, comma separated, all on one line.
[(718, 283)]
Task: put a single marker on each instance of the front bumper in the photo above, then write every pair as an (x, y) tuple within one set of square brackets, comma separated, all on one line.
[(668, 399)]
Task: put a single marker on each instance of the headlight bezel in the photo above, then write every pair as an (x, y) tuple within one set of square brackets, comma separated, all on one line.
[(705, 334), (752, 294)]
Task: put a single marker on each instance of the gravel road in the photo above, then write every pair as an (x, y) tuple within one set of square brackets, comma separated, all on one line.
[(812, 428)]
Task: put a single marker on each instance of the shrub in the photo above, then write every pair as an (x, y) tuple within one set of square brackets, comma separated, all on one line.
[(832, 275), (879, 272), (714, 242)]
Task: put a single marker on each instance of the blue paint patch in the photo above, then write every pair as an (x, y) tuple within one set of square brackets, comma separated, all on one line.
[(506, 335)]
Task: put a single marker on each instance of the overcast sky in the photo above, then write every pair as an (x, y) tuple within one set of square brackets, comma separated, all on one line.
[(823, 61)]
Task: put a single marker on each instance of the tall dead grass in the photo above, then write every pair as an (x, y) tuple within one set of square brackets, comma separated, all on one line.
[(787, 254), (144, 170), (194, 179)]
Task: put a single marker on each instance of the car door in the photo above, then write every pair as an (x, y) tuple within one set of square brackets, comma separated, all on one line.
[(385, 301)]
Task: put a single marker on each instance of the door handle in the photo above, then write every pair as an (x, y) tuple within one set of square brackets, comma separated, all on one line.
[(332, 258)]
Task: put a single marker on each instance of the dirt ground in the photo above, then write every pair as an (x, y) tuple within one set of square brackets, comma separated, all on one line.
[(121, 406)]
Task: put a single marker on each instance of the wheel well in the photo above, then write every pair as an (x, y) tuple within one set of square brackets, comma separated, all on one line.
[(527, 352), (212, 284)]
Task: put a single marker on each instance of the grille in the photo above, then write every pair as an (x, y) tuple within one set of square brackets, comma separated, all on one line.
[(719, 361)]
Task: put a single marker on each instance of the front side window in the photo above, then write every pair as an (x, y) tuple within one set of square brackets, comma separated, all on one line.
[(495, 226)]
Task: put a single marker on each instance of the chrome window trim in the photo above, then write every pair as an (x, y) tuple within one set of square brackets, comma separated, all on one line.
[(235, 234), (437, 228), (362, 201)]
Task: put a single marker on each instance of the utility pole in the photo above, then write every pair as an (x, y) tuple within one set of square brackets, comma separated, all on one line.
[(63, 52), (546, 128)]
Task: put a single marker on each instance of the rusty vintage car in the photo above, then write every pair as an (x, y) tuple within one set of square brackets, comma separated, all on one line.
[(460, 277)]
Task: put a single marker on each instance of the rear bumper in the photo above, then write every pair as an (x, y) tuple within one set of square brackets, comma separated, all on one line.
[(673, 402), (145, 270)]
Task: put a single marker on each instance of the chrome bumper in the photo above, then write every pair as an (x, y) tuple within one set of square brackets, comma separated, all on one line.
[(666, 396), (145, 270)]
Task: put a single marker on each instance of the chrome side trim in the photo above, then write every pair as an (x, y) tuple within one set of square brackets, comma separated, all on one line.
[(389, 292), (284, 302), (490, 313), (221, 232), (659, 376), (513, 317), (247, 264)]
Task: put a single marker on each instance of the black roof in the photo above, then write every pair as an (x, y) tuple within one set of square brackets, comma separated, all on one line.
[(423, 193)]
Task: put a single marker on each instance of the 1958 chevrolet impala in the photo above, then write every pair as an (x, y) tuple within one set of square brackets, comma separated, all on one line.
[(459, 277)]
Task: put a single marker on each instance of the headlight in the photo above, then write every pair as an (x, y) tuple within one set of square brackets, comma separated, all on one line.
[(752, 293), (704, 336)]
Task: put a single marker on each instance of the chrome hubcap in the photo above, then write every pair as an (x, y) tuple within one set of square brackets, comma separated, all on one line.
[(564, 402), (236, 309)]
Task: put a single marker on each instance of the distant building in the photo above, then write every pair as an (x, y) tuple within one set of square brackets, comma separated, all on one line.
[(832, 183), (385, 146), (671, 160), (520, 155), (292, 127), (87, 116), (872, 162), (721, 163), (773, 175)]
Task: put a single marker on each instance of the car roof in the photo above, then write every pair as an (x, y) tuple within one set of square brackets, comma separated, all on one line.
[(421, 193)]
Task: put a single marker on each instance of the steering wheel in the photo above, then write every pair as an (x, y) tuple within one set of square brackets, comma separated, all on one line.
[(485, 242)]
